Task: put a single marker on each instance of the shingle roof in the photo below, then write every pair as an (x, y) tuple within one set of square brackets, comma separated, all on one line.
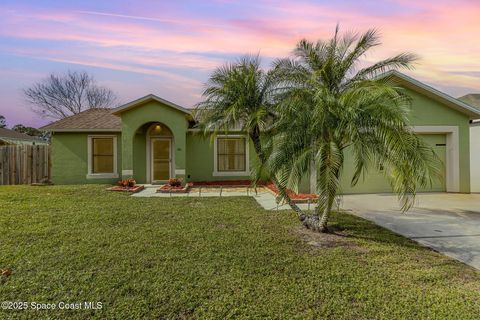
[(472, 99), (88, 120), (14, 135)]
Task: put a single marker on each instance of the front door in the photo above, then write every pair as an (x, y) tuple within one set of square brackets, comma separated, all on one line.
[(160, 159)]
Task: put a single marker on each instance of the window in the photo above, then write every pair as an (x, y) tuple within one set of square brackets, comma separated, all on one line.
[(102, 157), (231, 155)]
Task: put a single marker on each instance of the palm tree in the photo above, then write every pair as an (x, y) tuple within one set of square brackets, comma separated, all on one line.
[(237, 95), (328, 106), (240, 95)]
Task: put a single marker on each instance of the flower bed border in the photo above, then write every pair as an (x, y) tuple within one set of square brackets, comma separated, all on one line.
[(134, 189), (169, 189), (296, 197)]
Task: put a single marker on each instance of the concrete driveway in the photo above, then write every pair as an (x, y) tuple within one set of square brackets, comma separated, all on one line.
[(446, 222)]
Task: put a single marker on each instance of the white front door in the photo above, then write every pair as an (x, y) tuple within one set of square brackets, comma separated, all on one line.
[(161, 160)]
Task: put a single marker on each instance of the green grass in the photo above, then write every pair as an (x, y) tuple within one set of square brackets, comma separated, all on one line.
[(218, 258)]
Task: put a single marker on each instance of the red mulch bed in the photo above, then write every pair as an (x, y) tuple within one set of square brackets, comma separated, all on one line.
[(133, 189), (297, 197), (166, 188)]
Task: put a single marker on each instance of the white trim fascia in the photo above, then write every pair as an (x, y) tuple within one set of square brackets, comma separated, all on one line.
[(90, 174), (146, 98), (217, 173), (231, 174), (102, 176), (452, 165)]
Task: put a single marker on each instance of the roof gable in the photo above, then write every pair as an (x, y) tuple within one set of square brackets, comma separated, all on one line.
[(433, 93), (148, 98)]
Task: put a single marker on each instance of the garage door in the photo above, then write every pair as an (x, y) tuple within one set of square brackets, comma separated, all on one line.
[(438, 143), (375, 182)]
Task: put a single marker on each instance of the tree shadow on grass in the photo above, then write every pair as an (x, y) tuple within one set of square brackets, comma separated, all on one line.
[(364, 230)]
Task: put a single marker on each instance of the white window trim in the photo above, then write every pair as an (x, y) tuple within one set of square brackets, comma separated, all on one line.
[(90, 174), (475, 157), (217, 173)]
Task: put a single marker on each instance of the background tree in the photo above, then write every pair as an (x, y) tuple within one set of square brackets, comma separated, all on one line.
[(3, 122), (34, 132), (328, 106), (60, 96)]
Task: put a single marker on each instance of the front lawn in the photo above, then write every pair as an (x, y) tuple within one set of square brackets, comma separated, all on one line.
[(181, 258)]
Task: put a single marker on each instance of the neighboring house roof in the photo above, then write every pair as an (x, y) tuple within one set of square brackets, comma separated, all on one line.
[(88, 120), (14, 137), (472, 99), (148, 98), (433, 93)]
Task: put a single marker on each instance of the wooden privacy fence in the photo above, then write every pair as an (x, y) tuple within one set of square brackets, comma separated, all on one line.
[(24, 164)]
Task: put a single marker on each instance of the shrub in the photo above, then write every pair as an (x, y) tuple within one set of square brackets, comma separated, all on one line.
[(127, 183), (175, 182)]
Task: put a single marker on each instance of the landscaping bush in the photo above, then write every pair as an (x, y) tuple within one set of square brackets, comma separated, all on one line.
[(175, 182), (127, 183)]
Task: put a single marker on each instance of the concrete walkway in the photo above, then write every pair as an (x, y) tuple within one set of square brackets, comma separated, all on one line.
[(448, 223), (264, 197)]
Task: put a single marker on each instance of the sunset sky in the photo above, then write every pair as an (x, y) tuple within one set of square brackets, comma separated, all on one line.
[(169, 47)]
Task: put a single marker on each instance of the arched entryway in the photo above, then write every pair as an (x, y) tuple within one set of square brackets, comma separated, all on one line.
[(160, 153)]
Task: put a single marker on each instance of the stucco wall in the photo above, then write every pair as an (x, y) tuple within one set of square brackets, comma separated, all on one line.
[(70, 158), (475, 157), (140, 158), (151, 112), (200, 159), (425, 112), (194, 153)]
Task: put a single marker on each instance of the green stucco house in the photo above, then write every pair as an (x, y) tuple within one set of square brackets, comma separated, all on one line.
[(152, 140)]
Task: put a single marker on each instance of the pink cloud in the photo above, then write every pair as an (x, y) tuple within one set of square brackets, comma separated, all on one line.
[(155, 42)]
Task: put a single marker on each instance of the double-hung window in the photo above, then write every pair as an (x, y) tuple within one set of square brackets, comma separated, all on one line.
[(102, 156), (231, 156)]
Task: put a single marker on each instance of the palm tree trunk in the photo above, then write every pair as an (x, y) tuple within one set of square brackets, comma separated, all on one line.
[(283, 192), (322, 224), (255, 136)]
